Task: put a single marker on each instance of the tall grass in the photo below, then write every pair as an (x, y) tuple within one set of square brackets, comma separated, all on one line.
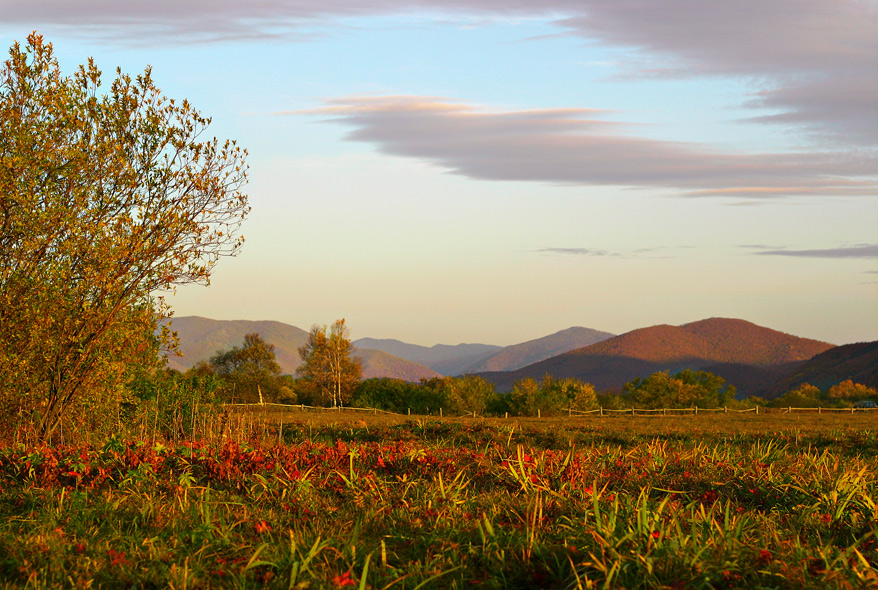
[(430, 504)]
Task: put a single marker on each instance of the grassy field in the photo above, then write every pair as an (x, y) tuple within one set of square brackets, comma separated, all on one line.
[(338, 500)]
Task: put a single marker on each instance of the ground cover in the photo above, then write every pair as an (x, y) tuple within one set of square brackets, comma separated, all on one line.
[(380, 502)]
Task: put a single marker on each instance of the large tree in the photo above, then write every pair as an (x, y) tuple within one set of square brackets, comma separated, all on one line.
[(252, 369), (328, 365), (681, 390), (107, 198)]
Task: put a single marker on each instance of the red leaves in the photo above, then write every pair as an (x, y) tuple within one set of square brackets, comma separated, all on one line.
[(343, 580), (117, 557)]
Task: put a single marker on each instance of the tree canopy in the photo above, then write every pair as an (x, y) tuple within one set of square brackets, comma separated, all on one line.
[(328, 365), (251, 369), (681, 390), (552, 396), (107, 197)]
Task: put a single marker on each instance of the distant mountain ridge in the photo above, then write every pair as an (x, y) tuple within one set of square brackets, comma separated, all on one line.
[(755, 359), (377, 363), (857, 362), (445, 359), (742, 352), (200, 338), (533, 351)]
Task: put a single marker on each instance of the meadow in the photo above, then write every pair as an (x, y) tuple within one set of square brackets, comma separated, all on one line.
[(335, 500)]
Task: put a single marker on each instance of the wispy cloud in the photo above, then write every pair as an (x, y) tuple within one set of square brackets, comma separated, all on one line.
[(859, 251), (579, 147), (579, 252), (597, 253)]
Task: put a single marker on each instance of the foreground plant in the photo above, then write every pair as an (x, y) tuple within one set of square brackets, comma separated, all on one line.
[(433, 505)]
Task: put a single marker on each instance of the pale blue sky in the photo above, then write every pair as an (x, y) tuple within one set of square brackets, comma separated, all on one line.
[(494, 171)]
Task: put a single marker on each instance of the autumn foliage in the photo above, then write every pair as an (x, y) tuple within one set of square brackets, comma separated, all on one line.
[(108, 195)]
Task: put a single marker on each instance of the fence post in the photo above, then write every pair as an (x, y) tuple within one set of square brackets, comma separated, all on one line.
[(440, 412), (757, 410), (632, 410), (506, 415), (696, 410), (819, 410), (539, 415), (410, 411), (725, 409), (602, 411), (664, 411), (569, 412), (790, 410)]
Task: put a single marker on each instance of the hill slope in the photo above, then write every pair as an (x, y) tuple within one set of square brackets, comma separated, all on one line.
[(377, 363), (733, 347), (200, 338), (533, 351), (443, 358), (857, 362)]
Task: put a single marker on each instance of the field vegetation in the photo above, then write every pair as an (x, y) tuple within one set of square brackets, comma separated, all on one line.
[(334, 500)]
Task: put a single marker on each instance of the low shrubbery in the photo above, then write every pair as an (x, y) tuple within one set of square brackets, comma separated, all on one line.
[(441, 505)]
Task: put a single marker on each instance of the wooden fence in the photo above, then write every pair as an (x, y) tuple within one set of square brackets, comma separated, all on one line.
[(694, 411), (304, 408), (724, 410)]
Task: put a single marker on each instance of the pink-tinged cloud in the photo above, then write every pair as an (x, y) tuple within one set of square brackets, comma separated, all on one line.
[(815, 60), (571, 146)]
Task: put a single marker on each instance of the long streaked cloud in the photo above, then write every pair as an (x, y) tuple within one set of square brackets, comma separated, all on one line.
[(813, 61), (858, 251), (598, 253), (579, 147), (591, 252)]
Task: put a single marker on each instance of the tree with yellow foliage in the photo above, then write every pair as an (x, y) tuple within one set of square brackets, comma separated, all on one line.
[(328, 366), (107, 197)]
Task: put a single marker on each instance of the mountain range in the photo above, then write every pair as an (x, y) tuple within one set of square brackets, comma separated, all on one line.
[(748, 356), (755, 359), (475, 358), (200, 338), (445, 359)]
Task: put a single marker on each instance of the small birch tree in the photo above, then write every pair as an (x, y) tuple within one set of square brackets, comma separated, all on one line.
[(328, 365)]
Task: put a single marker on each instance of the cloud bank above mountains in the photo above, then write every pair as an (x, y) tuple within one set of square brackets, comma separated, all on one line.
[(571, 146), (811, 61)]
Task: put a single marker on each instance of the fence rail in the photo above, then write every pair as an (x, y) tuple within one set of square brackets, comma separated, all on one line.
[(303, 407), (571, 412), (724, 410)]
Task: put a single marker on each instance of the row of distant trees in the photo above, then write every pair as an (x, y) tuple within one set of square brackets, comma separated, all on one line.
[(330, 376)]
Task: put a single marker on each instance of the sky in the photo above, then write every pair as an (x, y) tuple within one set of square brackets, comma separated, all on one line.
[(498, 170)]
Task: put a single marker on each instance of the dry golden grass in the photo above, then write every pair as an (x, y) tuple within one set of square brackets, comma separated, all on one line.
[(767, 423)]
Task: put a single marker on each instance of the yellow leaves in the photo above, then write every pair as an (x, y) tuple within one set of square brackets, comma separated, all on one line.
[(106, 198)]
